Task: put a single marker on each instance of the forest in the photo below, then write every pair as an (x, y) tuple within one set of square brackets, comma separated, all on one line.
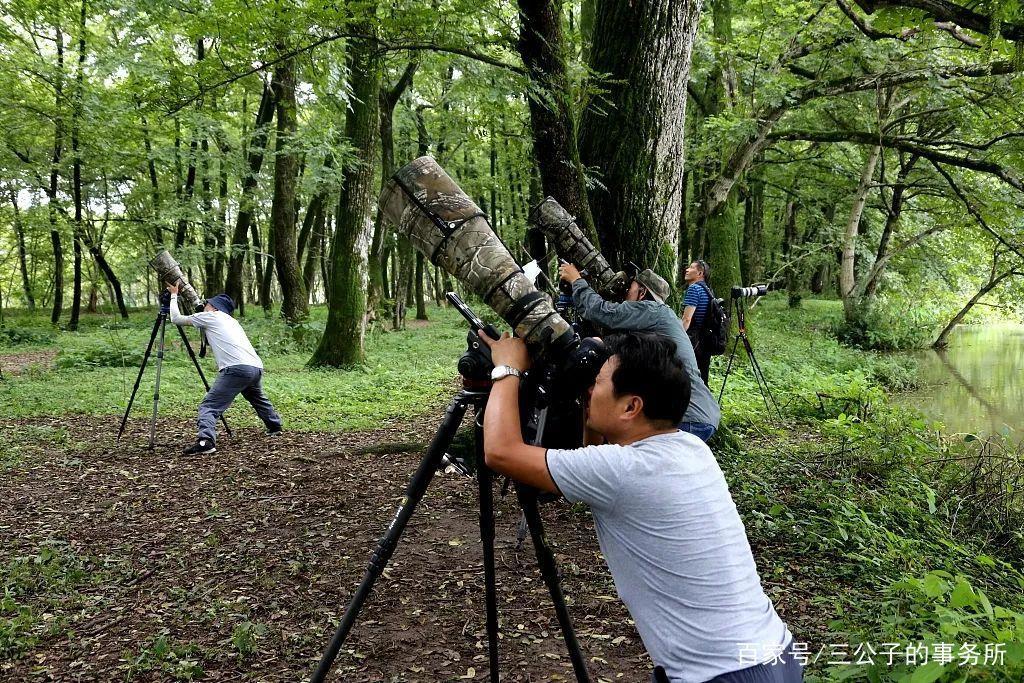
[(863, 158)]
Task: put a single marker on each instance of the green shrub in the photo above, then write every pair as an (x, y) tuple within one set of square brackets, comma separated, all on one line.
[(24, 335), (100, 354), (884, 327)]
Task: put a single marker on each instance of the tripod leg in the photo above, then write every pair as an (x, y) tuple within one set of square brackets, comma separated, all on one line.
[(728, 368), (156, 391), (135, 389), (382, 555), (199, 369), (762, 383), (484, 478), (548, 569)]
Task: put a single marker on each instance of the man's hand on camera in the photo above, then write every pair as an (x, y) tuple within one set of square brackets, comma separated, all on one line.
[(569, 273), (507, 350), (173, 289)]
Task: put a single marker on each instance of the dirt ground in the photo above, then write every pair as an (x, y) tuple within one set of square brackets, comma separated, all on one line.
[(237, 565)]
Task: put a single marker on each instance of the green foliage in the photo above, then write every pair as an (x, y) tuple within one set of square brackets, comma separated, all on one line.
[(163, 656), (245, 637), (890, 326), (14, 336), (34, 585)]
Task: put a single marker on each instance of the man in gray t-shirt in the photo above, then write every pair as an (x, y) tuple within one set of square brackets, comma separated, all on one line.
[(667, 526), (644, 310)]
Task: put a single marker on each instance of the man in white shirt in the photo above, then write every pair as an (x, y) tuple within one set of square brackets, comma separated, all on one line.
[(666, 523), (240, 370)]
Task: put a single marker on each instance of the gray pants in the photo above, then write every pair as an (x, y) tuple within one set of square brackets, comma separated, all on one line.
[(233, 380), (786, 670)]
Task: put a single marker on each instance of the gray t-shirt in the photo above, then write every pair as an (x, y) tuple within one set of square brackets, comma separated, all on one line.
[(678, 552), (650, 316), (227, 339)]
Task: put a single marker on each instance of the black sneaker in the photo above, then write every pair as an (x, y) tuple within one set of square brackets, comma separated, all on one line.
[(275, 432), (201, 447)]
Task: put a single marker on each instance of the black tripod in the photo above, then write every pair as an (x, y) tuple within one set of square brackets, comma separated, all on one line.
[(414, 492), (755, 367), (161, 326)]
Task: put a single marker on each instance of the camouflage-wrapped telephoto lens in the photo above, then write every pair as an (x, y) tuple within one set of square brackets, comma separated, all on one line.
[(444, 224), (170, 273), (560, 228)]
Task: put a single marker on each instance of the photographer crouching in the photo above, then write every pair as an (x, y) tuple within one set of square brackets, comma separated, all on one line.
[(240, 370), (666, 523), (644, 310)]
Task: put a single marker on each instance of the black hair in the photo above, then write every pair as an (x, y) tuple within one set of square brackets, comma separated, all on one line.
[(649, 368), (705, 269)]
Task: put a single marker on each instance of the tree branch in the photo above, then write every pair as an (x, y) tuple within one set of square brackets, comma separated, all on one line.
[(933, 155), (943, 10)]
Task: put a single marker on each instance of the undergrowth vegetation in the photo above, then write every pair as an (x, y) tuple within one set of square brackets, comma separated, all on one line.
[(904, 535)]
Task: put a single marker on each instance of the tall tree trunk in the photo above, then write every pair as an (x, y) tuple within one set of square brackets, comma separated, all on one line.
[(246, 203), (19, 234), (753, 229), (847, 275), (51, 193), (266, 299), (257, 258), (293, 295), (313, 253), (154, 182), (542, 48), (637, 138), (342, 341), (388, 100), (421, 304), (76, 170), (892, 218)]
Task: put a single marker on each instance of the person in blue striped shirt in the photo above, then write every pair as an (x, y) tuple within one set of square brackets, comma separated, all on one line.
[(695, 309)]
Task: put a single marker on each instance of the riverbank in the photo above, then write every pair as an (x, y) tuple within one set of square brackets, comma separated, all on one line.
[(858, 514)]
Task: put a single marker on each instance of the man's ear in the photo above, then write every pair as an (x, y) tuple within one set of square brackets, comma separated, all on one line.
[(634, 408)]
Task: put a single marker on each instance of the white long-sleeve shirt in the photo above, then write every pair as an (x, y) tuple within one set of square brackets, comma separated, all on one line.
[(228, 340)]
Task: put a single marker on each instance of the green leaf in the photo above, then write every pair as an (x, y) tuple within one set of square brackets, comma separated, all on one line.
[(962, 595), (931, 671)]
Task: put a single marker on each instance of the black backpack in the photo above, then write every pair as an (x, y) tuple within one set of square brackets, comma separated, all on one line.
[(714, 333)]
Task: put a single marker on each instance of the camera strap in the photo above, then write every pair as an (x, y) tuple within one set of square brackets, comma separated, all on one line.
[(447, 228)]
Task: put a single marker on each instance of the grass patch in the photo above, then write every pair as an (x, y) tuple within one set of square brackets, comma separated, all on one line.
[(406, 374)]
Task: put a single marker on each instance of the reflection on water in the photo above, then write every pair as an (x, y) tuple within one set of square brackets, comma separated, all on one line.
[(977, 384)]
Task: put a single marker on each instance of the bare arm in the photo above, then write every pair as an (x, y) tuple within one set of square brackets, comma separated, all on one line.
[(688, 316), (505, 451)]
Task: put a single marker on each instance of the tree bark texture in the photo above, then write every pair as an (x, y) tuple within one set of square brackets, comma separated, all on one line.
[(635, 138), (342, 341), (542, 48), (283, 215), (76, 171), (254, 162), (51, 191), (847, 274)]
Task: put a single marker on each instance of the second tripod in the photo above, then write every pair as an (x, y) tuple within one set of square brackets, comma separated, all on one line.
[(160, 326), (755, 367)]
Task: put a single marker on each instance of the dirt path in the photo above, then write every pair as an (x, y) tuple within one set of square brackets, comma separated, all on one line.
[(236, 566)]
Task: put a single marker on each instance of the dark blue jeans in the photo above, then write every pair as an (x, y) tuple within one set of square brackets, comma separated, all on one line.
[(699, 429), (233, 380)]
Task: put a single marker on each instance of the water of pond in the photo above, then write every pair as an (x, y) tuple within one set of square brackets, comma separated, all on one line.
[(977, 384)]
